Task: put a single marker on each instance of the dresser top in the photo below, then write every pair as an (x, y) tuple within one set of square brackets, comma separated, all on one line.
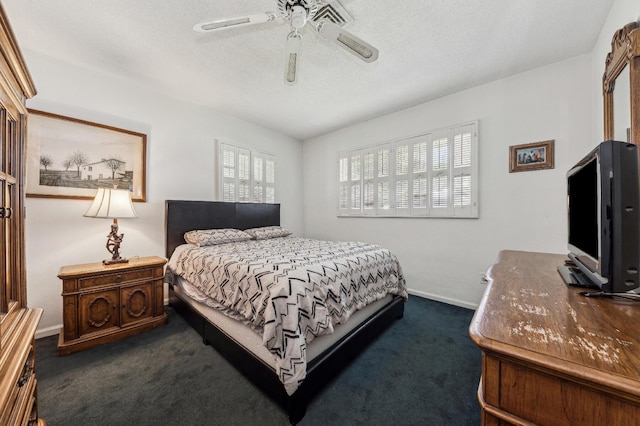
[(528, 312)]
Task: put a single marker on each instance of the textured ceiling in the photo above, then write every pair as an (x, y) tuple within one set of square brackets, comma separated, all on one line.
[(428, 49)]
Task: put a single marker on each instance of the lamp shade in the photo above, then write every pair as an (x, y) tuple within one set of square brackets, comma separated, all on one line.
[(112, 203)]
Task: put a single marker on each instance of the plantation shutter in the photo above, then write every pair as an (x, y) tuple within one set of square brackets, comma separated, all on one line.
[(355, 184), (429, 175), (401, 178), (383, 180), (244, 175), (419, 187), (269, 178), (464, 176), (258, 179), (369, 182), (343, 184), (229, 172), (439, 175)]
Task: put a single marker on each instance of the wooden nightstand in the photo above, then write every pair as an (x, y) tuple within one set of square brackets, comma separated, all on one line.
[(104, 303)]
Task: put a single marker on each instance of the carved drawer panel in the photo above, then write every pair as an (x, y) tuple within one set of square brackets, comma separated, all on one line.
[(137, 303), (98, 311)]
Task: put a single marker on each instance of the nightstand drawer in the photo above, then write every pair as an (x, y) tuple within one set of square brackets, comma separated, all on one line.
[(115, 278)]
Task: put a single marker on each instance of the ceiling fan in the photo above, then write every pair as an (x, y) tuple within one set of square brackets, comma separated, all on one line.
[(299, 13)]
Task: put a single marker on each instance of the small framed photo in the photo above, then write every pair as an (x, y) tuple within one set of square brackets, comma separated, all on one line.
[(72, 158), (531, 156)]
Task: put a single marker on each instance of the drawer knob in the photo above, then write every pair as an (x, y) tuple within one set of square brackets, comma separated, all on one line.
[(118, 278), (5, 212), (25, 375)]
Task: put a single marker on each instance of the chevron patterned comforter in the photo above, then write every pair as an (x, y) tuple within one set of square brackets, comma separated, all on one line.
[(290, 289)]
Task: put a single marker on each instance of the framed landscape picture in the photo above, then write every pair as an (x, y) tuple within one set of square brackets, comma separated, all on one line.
[(531, 156), (71, 158)]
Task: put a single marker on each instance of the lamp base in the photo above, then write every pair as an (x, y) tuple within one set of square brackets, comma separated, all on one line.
[(114, 261), (113, 245)]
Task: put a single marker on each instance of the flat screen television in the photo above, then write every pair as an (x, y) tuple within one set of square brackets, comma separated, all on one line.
[(603, 195)]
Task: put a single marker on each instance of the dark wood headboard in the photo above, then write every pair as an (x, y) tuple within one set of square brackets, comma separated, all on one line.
[(184, 216)]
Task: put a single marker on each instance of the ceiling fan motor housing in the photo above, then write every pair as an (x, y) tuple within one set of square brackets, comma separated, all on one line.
[(298, 17), (300, 10)]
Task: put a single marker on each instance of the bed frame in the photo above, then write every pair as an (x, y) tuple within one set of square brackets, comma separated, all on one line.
[(183, 216)]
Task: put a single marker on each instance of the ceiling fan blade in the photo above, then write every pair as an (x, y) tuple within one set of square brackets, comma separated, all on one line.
[(352, 44), (241, 21), (293, 49)]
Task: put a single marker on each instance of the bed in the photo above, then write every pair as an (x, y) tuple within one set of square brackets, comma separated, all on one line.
[(237, 341)]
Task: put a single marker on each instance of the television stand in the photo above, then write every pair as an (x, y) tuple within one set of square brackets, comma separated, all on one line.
[(575, 277), (596, 294)]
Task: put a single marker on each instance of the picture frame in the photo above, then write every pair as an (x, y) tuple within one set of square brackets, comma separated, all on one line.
[(71, 158), (531, 156)]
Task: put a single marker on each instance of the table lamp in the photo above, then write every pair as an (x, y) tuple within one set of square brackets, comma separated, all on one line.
[(112, 203)]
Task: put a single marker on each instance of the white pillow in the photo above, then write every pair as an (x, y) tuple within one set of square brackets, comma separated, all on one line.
[(267, 232), (212, 237)]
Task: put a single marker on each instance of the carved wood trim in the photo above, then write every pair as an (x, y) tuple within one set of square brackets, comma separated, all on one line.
[(127, 305), (14, 58), (96, 322), (625, 51)]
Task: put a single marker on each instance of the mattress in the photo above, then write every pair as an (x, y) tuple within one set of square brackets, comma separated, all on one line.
[(290, 290), (251, 340)]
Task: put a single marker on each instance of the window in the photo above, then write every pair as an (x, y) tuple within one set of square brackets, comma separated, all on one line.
[(246, 175), (429, 175)]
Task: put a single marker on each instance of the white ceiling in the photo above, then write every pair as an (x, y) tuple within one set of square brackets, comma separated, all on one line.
[(428, 49)]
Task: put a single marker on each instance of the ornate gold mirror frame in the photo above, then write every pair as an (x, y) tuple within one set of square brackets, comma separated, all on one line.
[(623, 121)]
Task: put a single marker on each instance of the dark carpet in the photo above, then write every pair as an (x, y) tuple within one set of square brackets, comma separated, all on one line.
[(424, 370)]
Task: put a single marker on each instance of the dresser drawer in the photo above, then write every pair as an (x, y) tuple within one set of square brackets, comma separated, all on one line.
[(20, 407), (24, 408), (116, 278)]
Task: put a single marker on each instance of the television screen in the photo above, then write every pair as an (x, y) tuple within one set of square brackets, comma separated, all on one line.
[(603, 206), (583, 191)]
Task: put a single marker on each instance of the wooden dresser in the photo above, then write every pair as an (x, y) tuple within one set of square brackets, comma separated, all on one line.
[(18, 322), (104, 303), (550, 355)]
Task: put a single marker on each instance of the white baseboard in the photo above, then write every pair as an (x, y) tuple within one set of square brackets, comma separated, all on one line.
[(49, 331), (53, 330), (455, 302)]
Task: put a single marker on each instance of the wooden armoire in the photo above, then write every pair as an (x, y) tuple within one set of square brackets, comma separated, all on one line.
[(18, 322)]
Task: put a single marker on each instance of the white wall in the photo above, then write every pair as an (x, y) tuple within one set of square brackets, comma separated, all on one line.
[(180, 165), (445, 258)]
